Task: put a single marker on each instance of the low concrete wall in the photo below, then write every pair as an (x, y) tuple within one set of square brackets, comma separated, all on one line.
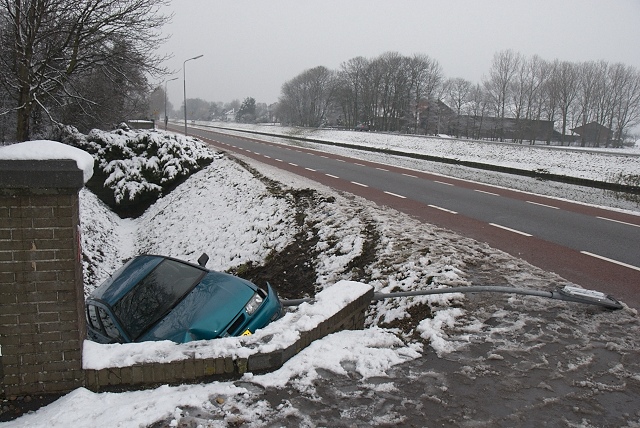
[(141, 124), (267, 350)]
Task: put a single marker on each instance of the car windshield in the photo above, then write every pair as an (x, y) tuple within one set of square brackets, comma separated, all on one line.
[(155, 295)]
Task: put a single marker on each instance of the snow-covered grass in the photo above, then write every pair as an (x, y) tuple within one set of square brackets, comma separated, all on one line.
[(606, 164), (230, 214)]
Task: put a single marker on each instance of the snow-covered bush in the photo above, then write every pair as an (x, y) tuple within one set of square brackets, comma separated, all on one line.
[(136, 167)]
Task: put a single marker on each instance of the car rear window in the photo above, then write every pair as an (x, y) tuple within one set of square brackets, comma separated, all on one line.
[(155, 295)]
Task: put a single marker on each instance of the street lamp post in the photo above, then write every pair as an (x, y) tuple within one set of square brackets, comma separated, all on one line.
[(166, 119), (184, 75)]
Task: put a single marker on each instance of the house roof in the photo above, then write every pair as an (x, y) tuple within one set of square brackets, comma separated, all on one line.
[(590, 128)]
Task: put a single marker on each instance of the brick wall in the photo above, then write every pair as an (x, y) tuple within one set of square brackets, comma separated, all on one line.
[(41, 290), (42, 322), (190, 370)]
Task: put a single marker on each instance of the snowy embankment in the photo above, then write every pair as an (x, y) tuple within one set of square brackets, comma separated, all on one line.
[(605, 164), (229, 213)]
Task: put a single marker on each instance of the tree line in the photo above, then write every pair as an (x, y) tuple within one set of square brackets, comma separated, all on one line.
[(521, 98), (247, 111), (87, 63)]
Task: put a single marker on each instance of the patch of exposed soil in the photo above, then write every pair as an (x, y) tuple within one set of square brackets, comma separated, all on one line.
[(13, 407), (409, 323), (292, 271)]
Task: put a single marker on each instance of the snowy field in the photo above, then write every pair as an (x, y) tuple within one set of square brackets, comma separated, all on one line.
[(603, 164), (612, 165), (476, 361)]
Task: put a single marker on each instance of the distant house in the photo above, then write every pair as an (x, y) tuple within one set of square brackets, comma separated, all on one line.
[(230, 116), (494, 128), (488, 127), (594, 133)]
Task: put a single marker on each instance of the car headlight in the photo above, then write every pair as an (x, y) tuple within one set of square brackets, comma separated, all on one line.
[(253, 304)]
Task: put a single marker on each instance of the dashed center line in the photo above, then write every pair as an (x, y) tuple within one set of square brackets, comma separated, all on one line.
[(486, 193), (409, 175), (610, 260), (510, 230), (381, 169), (542, 205), (618, 221), (293, 164), (359, 164), (359, 184), (443, 209), (332, 176), (442, 182), (310, 169), (395, 194)]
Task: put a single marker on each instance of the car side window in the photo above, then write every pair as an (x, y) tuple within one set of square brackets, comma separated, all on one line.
[(93, 318), (109, 327)]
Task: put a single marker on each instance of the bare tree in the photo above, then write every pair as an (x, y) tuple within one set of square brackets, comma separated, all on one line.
[(54, 46), (426, 80), (627, 111), (565, 82), (457, 95), (352, 75), (393, 89), (307, 98), (503, 69)]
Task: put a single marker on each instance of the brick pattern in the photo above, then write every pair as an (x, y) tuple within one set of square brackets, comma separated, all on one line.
[(193, 370), (41, 293), (42, 322)]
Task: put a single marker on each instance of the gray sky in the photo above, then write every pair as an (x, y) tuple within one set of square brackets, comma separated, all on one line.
[(251, 47)]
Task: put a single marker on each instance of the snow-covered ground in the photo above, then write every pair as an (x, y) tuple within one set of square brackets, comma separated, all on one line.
[(476, 361), (613, 165), (605, 164)]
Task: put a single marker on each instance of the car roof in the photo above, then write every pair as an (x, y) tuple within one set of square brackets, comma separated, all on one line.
[(121, 281)]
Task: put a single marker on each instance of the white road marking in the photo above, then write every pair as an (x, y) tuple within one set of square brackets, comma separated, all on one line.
[(618, 221), (310, 169), (443, 209), (409, 175), (359, 184), (510, 230), (485, 192), (395, 194), (442, 182), (293, 164), (543, 205), (332, 176), (611, 260), (381, 169)]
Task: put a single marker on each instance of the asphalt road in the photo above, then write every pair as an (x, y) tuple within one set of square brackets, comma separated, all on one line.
[(592, 247)]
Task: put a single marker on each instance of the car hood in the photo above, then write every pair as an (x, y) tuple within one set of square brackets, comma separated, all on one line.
[(206, 311)]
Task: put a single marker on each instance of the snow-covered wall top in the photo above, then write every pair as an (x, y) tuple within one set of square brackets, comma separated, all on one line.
[(49, 150)]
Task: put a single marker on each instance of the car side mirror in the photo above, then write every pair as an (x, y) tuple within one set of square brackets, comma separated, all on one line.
[(202, 261)]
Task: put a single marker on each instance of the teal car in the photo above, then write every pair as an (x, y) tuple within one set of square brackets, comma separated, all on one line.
[(162, 298)]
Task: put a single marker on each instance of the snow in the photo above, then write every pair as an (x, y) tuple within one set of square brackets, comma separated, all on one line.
[(589, 162), (277, 335), (49, 150), (228, 213)]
